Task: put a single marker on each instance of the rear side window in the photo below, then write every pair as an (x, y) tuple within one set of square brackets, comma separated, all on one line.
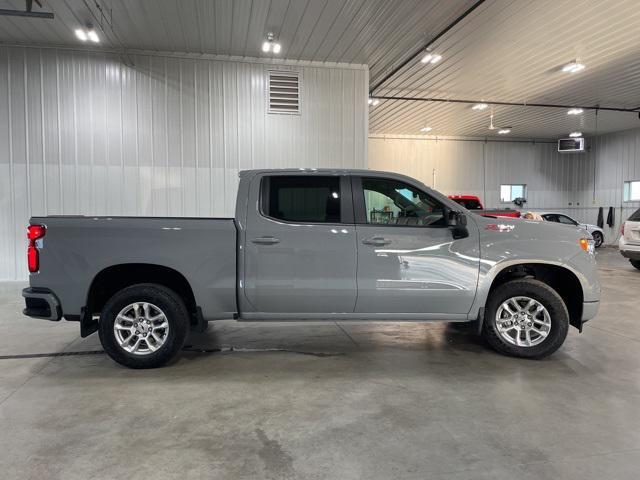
[(304, 199), (635, 216)]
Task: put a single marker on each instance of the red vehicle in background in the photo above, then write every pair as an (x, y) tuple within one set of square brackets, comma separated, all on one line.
[(473, 203)]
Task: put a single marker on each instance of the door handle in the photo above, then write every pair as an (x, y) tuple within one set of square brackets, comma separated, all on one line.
[(266, 240), (376, 241)]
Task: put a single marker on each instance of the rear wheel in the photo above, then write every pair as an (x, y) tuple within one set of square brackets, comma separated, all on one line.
[(598, 239), (635, 263), (525, 318), (143, 326)]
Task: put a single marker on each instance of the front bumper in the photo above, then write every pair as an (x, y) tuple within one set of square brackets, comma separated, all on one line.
[(41, 303)]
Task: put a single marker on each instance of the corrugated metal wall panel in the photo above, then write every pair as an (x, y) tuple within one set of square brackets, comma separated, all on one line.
[(555, 182), (80, 133)]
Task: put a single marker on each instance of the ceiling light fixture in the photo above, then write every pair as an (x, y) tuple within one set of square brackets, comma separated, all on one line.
[(81, 34), (375, 102), (426, 129), (479, 106), (575, 111), (93, 36), (270, 45), (573, 67), (87, 33), (431, 58), (504, 131), (575, 134)]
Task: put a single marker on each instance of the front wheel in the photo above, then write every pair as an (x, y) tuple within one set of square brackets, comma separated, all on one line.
[(143, 326), (525, 318), (635, 263), (598, 239)]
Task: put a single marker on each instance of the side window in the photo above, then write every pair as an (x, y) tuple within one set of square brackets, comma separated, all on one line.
[(305, 199), (566, 220), (395, 203), (551, 218)]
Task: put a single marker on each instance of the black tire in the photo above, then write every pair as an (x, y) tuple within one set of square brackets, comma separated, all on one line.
[(540, 292), (635, 263), (598, 239), (174, 310)]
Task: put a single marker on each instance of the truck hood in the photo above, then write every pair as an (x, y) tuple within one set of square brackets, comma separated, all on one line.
[(528, 230)]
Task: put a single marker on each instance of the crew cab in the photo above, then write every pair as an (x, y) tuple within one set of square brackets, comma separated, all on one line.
[(473, 204), (311, 245)]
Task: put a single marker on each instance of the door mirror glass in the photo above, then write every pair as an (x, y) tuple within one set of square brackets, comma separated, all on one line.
[(457, 219)]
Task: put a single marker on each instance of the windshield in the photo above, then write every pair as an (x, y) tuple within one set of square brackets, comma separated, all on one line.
[(469, 204)]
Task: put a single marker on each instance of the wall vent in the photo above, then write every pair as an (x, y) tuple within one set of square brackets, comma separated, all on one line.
[(284, 92)]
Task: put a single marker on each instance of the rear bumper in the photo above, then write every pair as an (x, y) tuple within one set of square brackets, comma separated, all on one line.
[(589, 310), (41, 303), (629, 250)]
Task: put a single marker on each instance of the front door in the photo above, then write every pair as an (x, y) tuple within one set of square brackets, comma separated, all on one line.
[(300, 249), (408, 260)]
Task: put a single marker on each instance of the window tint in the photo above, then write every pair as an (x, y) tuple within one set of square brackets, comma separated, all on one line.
[(306, 199), (395, 203), (635, 216), (550, 217)]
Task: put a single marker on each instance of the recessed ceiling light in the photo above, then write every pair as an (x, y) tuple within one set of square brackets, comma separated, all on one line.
[(426, 129), (374, 101), (504, 131), (575, 134), (431, 58), (573, 67), (81, 34), (575, 111), (479, 106), (370, 101)]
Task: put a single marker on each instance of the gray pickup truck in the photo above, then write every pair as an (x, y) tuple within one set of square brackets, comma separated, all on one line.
[(310, 245)]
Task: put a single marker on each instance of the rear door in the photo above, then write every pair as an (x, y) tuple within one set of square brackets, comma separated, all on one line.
[(300, 245), (408, 261)]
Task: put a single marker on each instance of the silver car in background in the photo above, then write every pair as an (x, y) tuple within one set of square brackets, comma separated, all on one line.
[(596, 232)]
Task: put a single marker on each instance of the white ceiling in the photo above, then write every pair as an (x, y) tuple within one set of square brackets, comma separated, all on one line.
[(506, 50)]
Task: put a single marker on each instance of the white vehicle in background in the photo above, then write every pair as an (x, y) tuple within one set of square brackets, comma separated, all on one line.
[(596, 232), (630, 239)]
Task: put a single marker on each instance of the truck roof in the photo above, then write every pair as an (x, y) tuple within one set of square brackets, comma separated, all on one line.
[(326, 171)]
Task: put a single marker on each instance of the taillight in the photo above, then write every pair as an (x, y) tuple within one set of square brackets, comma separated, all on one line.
[(622, 229), (34, 232)]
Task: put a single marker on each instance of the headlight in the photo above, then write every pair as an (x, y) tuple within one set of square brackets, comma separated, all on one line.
[(588, 245)]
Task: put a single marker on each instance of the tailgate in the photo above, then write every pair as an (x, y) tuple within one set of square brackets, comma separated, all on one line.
[(632, 232)]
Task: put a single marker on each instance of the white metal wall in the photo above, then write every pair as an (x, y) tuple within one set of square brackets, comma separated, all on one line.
[(81, 133), (558, 182)]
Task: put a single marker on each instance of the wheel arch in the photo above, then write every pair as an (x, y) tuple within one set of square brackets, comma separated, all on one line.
[(116, 277), (559, 277)]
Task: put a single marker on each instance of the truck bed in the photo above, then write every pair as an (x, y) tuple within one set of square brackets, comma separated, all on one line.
[(75, 249)]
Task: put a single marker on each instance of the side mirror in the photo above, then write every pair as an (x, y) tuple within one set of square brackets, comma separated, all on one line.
[(457, 219)]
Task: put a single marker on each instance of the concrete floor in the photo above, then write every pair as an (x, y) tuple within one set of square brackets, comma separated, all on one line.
[(370, 401)]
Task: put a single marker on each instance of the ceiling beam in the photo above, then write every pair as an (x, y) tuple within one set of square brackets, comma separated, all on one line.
[(425, 47), (510, 104)]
